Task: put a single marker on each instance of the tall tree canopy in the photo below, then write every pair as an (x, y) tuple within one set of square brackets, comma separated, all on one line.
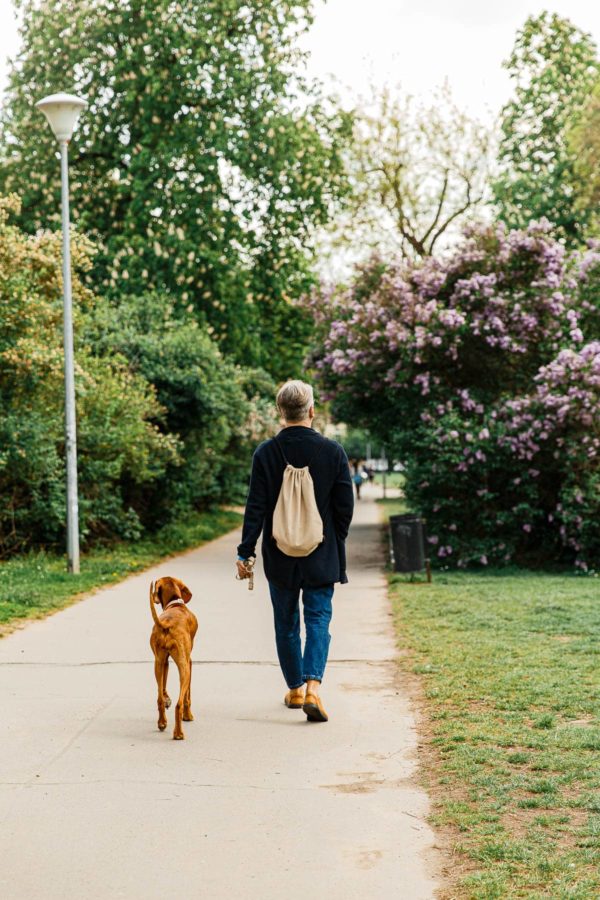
[(418, 172), (554, 66), (584, 141), (202, 164)]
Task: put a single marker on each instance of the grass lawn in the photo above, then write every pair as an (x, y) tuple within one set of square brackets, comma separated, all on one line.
[(392, 479), (508, 666), (36, 584), (391, 507)]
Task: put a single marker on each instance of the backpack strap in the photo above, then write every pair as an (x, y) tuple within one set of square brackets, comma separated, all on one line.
[(280, 448), (322, 443)]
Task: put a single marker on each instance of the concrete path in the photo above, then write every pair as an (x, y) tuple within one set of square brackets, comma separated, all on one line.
[(256, 803)]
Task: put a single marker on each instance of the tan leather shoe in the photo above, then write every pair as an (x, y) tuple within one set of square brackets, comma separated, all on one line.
[(294, 698), (313, 708)]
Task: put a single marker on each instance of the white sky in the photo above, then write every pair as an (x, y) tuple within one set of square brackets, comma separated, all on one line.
[(420, 43), (417, 43)]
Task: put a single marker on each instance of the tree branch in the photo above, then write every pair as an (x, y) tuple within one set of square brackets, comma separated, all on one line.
[(439, 207), (468, 203)]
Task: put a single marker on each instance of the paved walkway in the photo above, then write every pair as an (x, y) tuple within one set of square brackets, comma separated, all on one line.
[(256, 803)]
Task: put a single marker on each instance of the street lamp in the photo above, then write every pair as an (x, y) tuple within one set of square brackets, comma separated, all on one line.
[(62, 112)]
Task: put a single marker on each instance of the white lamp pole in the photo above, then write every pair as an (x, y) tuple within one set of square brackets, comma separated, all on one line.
[(62, 112)]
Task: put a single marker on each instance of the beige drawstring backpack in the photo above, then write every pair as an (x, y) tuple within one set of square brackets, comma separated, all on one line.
[(297, 523)]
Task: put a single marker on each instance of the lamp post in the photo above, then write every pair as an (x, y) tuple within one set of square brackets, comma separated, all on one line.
[(62, 112)]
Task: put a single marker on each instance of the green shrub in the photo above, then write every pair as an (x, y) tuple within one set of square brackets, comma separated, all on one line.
[(165, 423), (119, 442), (481, 372), (217, 409)]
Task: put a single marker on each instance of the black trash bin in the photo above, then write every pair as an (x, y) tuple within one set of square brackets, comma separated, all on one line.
[(407, 539)]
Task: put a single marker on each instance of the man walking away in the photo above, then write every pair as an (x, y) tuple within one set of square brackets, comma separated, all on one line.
[(298, 445)]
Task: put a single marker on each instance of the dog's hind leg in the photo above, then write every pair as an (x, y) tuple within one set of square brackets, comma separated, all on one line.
[(184, 683), (187, 703), (159, 667), (166, 672)]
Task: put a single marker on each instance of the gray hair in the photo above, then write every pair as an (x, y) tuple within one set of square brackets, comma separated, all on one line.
[(294, 399)]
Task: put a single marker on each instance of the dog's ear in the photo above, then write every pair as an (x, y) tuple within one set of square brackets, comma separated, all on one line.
[(186, 594), (158, 591)]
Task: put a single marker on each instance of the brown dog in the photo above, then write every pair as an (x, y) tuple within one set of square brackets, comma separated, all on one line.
[(173, 636)]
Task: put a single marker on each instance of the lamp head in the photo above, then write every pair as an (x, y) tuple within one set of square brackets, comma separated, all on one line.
[(62, 112)]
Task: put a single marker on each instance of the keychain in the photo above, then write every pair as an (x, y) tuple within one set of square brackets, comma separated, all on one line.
[(249, 564)]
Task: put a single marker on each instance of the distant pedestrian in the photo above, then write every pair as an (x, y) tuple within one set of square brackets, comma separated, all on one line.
[(357, 477), (298, 446)]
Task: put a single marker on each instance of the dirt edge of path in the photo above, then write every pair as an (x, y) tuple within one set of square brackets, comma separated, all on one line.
[(445, 863)]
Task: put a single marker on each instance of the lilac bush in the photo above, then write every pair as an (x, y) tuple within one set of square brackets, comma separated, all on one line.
[(557, 428), (481, 373)]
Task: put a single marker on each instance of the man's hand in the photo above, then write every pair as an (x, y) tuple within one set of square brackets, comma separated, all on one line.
[(243, 569)]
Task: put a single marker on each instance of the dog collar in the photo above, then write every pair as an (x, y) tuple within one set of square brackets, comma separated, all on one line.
[(177, 602)]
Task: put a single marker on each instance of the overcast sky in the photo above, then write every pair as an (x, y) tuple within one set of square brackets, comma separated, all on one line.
[(417, 43), (420, 43)]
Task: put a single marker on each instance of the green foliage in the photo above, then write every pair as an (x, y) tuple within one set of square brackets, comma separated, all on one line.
[(584, 145), (554, 66), (479, 371), (217, 410), (508, 665), (355, 441), (196, 168), (118, 440), (165, 423)]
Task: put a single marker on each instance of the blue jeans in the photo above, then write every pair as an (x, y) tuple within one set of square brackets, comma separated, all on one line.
[(296, 667)]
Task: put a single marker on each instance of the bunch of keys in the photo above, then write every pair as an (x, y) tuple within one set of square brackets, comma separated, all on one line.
[(249, 565)]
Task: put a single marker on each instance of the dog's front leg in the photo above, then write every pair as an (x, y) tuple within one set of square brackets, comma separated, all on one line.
[(159, 666)]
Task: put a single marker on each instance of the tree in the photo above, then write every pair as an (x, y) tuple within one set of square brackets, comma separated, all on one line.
[(217, 410), (418, 173), (554, 66), (480, 371), (120, 442), (166, 424), (202, 165), (584, 145)]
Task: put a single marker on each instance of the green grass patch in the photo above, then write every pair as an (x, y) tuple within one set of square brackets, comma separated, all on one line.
[(392, 479), (33, 585), (393, 506), (509, 663)]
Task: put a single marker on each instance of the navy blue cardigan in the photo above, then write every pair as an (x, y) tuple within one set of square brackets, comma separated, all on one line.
[(335, 500)]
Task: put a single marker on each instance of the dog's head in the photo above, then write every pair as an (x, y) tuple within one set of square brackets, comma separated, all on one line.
[(167, 589)]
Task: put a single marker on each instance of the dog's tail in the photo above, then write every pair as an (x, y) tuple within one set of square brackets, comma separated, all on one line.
[(153, 607)]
